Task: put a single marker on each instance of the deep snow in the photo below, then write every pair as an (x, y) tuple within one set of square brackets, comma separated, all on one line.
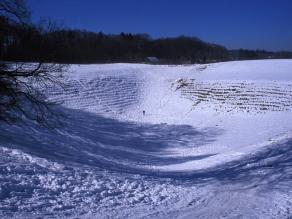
[(216, 141)]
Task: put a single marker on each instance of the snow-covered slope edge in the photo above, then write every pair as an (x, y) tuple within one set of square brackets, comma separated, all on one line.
[(215, 141)]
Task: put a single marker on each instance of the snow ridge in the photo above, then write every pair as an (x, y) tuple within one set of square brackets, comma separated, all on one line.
[(215, 141)]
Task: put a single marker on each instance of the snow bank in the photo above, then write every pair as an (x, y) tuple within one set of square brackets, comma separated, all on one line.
[(215, 141)]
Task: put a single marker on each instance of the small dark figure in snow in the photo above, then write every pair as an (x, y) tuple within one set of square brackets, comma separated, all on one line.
[(143, 112)]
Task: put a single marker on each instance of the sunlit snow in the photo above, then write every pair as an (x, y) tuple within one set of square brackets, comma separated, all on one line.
[(215, 141)]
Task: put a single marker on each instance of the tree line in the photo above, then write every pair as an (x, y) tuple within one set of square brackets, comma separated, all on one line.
[(48, 43), (22, 84), (31, 43), (244, 54), (32, 55)]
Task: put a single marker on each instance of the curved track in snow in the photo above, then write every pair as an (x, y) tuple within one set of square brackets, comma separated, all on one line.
[(215, 141)]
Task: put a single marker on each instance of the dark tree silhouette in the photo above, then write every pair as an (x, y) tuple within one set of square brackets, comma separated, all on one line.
[(22, 85), (15, 10)]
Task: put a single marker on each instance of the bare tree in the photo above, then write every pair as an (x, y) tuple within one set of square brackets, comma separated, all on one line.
[(15, 10), (23, 86)]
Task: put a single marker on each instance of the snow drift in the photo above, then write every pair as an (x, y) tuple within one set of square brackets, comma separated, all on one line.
[(215, 141)]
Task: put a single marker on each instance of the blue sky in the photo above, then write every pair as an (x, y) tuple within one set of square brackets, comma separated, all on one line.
[(251, 24)]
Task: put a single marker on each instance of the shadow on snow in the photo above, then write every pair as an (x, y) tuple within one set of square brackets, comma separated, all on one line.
[(99, 142), (269, 168), (110, 144)]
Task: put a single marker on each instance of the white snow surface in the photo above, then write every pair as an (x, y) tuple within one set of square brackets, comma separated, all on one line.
[(215, 142)]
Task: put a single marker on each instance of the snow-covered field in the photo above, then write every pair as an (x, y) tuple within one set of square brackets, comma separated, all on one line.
[(215, 142)]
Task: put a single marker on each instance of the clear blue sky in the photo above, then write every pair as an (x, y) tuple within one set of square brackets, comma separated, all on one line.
[(251, 24)]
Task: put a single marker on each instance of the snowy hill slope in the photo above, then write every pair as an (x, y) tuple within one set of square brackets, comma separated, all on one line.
[(215, 141)]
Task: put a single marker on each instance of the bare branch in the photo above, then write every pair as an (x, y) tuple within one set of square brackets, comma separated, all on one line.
[(16, 10), (22, 91)]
